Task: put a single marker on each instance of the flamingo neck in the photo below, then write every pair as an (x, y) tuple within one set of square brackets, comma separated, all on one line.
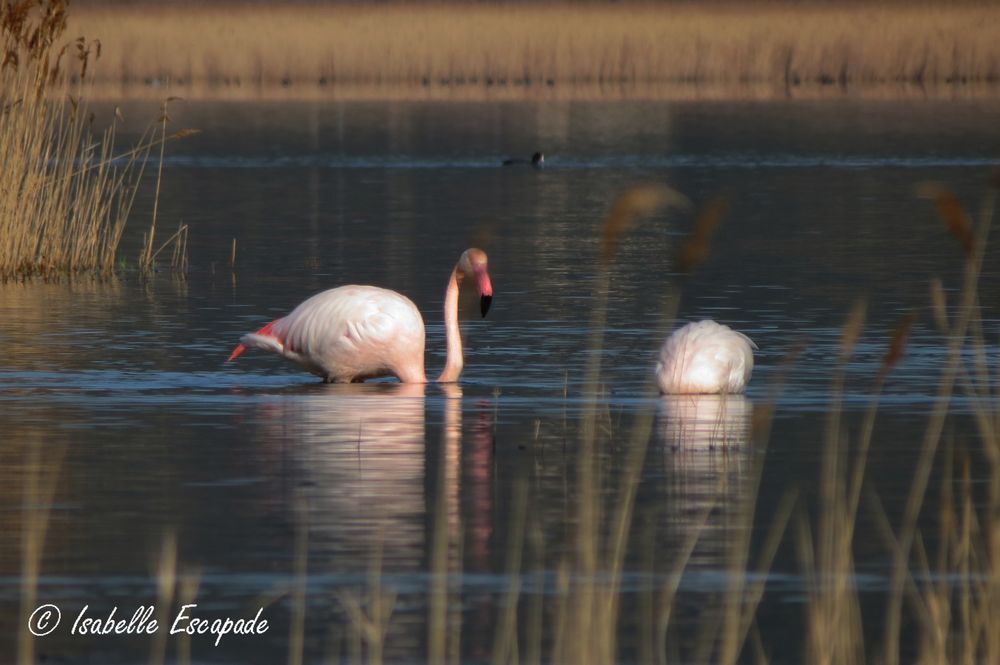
[(454, 362)]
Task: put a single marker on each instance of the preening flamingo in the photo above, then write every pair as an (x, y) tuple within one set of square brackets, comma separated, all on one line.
[(353, 333), (705, 357)]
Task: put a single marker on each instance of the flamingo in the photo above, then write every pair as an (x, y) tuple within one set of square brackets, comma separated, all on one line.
[(352, 333), (705, 357)]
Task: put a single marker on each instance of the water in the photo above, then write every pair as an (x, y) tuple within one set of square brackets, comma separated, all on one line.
[(122, 389)]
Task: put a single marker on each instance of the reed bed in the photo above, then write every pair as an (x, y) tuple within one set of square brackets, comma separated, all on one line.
[(63, 198), (532, 47), (65, 192)]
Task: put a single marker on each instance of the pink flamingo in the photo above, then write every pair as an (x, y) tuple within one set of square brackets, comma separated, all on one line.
[(353, 333), (705, 357)]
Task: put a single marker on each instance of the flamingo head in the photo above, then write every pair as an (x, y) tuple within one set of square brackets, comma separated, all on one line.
[(473, 263)]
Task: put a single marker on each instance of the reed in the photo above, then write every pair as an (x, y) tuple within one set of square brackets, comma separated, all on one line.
[(177, 241), (960, 621), (40, 484), (211, 47), (64, 195)]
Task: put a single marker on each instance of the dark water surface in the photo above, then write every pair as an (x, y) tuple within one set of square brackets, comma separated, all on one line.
[(122, 390)]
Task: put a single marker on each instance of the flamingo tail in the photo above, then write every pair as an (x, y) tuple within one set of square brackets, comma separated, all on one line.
[(262, 339)]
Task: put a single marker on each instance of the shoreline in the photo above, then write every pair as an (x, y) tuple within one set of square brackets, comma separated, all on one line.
[(521, 51), (666, 92)]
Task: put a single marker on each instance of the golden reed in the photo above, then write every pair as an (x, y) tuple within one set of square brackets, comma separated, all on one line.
[(537, 47), (63, 197)]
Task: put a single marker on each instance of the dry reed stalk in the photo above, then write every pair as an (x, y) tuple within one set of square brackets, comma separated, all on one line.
[(742, 599), (297, 625), (951, 212), (41, 481), (525, 46), (631, 206), (178, 256), (369, 616), (587, 612), (187, 594), (957, 334), (147, 257), (64, 198), (604, 92), (166, 587), (589, 582), (956, 599), (834, 623), (960, 620), (505, 639), (695, 249), (535, 613)]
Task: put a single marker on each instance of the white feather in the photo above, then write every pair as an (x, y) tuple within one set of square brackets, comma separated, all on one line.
[(353, 332), (705, 357)]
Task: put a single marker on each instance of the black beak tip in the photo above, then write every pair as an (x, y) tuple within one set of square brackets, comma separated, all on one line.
[(484, 304)]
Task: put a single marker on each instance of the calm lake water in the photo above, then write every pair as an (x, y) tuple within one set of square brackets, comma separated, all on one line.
[(122, 390)]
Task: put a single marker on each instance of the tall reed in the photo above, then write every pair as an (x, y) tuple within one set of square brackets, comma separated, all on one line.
[(64, 197), (970, 544)]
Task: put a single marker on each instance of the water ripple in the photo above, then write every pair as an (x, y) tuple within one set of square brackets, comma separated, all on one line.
[(703, 161)]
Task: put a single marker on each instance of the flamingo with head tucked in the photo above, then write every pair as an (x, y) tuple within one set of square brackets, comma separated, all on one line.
[(705, 357), (353, 333)]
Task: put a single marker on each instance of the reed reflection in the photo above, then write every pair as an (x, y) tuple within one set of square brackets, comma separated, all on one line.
[(37, 332)]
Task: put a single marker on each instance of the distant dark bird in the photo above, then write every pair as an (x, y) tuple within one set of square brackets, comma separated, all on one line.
[(537, 160)]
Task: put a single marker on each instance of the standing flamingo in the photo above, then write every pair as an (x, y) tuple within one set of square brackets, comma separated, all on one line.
[(705, 357), (353, 333)]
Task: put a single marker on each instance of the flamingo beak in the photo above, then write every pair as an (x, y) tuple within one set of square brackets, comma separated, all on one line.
[(485, 289)]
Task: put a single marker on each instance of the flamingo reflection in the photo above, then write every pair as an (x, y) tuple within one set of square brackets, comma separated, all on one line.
[(385, 469), (702, 423), (359, 452), (705, 443)]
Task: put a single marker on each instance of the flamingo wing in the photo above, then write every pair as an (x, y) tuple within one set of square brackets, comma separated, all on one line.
[(354, 332)]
